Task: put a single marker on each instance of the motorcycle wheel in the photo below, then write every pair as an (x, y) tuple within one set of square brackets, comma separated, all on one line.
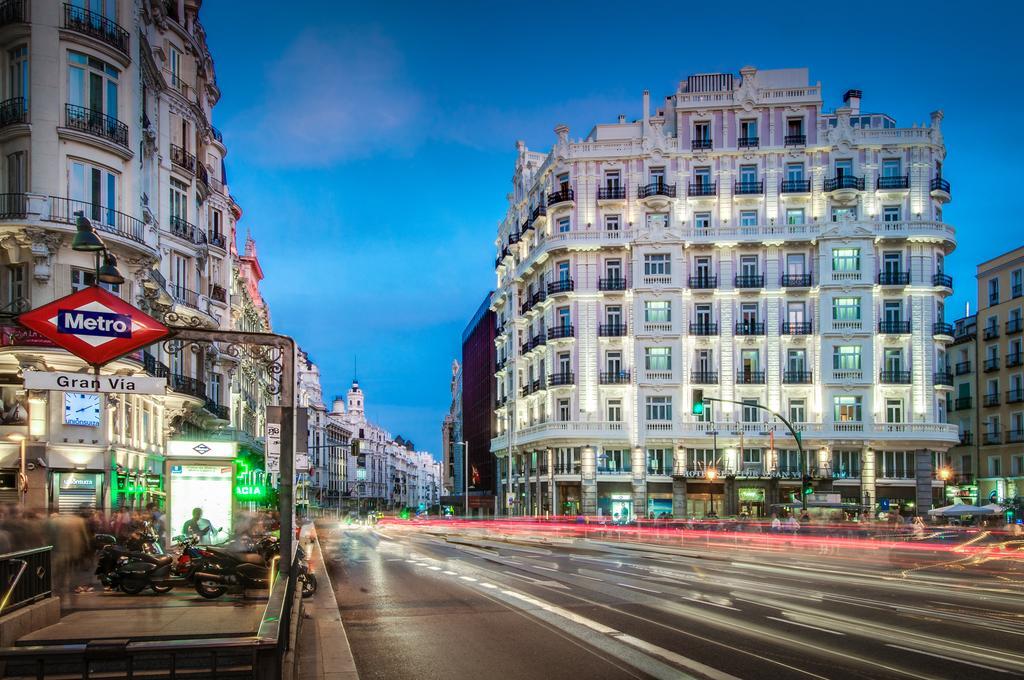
[(132, 587), (162, 589), (308, 584), (210, 591)]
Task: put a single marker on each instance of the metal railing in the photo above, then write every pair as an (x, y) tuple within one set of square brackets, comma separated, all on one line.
[(614, 377), (656, 189), (795, 186), (560, 286), (219, 410), (12, 12), (1014, 326), (943, 378), (747, 142), (611, 330), (795, 281), (96, 123), (748, 188), (13, 206), (942, 328), (183, 295), (702, 189), (704, 377), (894, 327), (703, 329), (794, 140), (893, 182), (701, 145), (557, 332), (217, 239), (565, 194), (704, 282), (749, 281), (893, 278), (963, 403), (616, 283), (13, 111), (187, 230), (939, 184), (562, 378), (25, 577), (97, 26), (796, 327), (185, 384), (894, 377), (750, 377), (64, 210), (991, 365), (749, 328), (943, 280), (183, 159), (990, 399), (611, 193), (218, 293), (797, 377), (844, 182), (963, 367), (1013, 359)]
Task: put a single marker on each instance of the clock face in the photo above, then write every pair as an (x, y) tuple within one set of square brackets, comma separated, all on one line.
[(81, 409)]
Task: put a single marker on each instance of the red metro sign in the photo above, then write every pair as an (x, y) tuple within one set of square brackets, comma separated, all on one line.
[(94, 325)]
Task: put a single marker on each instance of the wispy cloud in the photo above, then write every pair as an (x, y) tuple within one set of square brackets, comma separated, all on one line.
[(329, 98)]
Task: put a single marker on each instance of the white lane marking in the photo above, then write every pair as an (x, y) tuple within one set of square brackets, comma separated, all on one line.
[(709, 602), (537, 566), (806, 625), (646, 590), (625, 573), (947, 658), (488, 585), (396, 559), (468, 578), (434, 568), (450, 573), (411, 561)]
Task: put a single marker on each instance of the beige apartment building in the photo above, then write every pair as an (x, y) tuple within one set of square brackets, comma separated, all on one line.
[(1000, 361)]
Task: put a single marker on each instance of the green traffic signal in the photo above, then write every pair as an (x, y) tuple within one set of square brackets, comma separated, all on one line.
[(698, 408)]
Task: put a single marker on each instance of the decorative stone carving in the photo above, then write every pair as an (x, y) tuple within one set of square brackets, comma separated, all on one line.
[(44, 245)]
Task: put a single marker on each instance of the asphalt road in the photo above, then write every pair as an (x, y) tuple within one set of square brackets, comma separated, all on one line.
[(425, 603)]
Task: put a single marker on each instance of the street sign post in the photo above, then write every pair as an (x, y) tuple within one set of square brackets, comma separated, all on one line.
[(94, 325), (63, 381)]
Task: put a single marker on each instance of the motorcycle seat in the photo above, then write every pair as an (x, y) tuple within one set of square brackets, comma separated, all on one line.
[(158, 560), (251, 558)]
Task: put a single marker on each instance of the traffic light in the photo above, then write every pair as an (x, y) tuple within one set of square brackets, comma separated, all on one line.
[(806, 486), (698, 404)]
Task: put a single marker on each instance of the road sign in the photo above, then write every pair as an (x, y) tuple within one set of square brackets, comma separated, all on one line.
[(83, 382), (273, 447), (94, 325)]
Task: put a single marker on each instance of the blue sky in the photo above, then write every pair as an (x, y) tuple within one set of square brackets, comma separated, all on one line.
[(371, 144)]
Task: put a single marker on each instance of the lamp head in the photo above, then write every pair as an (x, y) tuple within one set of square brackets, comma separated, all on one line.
[(712, 474), (109, 272), (86, 239)]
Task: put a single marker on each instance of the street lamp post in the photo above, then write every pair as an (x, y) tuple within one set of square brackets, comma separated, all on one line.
[(465, 476), (712, 475), (22, 476), (698, 408)]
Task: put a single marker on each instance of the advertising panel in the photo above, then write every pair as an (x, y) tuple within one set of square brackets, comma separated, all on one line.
[(201, 500)]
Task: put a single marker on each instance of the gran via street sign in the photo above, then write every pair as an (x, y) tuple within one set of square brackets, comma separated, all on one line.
[(94, 325), (81, 382)]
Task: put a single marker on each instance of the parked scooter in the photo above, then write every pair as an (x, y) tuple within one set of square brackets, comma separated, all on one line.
[(112, 556), (227, 570), (133, 570)]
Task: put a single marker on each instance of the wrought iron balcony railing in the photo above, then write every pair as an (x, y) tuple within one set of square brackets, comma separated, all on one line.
[(183, 159), (97, 26), (796, 186), (796, 280), (942, 328), (96, 123), (797, 377), (703, 282), (701, 145), (894, 278), (561, 378), (704, 377), (561, 196), (894, 327), (844, 182), (559, 332), (748, 188), (749, 281), (14, 110), (893, 182), (795, 140), (797, 327), (611, 330), (943, 378), (702, 189), (747, 142), (749, 328), (939, 184), (750, 378), (187, 230), (611, 193), (894, 377), (610, 284), (614, 377), (699, 328), (65, 210), (561, 286), (656, 189)]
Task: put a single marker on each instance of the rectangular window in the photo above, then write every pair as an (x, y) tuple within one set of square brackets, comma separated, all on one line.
[(658, 358), (92, 84), (797, 411), (612, 222), (993, 292), (846, 309), (892, 167), (995, 466), (748, 218), (847, 409), (657, 264), (179, 203), (17, 74), (659, 408), (659, 461), (614, 410), (563, 225), (748, 174), (845, 464), (748, 128), (891, 213), (751, 414), (846, 358), (796, 312), (563, 410), (94, 191), (17, 173), (748, 265), (612, 179), (795, 216), (658, 311), (846, 259), (794, 172), (702, 220), (894, 410)]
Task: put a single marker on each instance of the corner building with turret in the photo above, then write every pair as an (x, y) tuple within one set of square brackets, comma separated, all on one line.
[(736, 242)]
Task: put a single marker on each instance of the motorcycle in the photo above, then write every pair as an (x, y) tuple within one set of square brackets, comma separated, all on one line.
[(113, 556), (132, 571), (228, 570)]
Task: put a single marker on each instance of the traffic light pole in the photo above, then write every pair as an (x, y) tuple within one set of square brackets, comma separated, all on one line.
[(789, 426)]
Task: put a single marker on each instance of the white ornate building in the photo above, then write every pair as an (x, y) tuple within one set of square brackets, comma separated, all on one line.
[(739, 242)]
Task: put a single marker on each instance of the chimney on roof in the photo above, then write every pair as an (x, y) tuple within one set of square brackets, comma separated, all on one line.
[(622, 119), (852, 100)]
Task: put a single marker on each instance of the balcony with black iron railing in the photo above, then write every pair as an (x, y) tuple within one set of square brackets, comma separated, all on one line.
[(154, 367), (795, 140), (748, 188), (1013, 359), (749, 281), (186, 230), (703, 282), (748, 142), (797, 327), (963, 403), (1014, 326), (13, 206), (749, 328), (797, 377), (561, 378), (844, 182), (513, 238), (525, 347), (95, 25), (701, 145), (966, 438), (538, 297), (704, 377), (704, 328), (612, 284), (65, 211), (656, 189), (611, 330), (12, 12), (991, 399), (942, 328), (796, 280), (942, 280), (13, 111), (217, 240), (539, 211), (990, 332), (943, 378), (992, 437), (561, 332), (563, 195), (218, 294), (750, 378), (1014, 436), (569, 469), (894, 327), (611, 193), (614, 377), (183, 295), (218, 410), (539, 340), (702, 189), (939, 184), (894, 278), (96, 123), (1015, 396), (526, 226), (561, 286), (795, 186), (991, 364), (963, 367), (899, 182), (894, 377), (525, 306), (1017, 290), (183, 159)]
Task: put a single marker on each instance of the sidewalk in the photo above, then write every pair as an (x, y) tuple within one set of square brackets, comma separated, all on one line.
[(323, 649)]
